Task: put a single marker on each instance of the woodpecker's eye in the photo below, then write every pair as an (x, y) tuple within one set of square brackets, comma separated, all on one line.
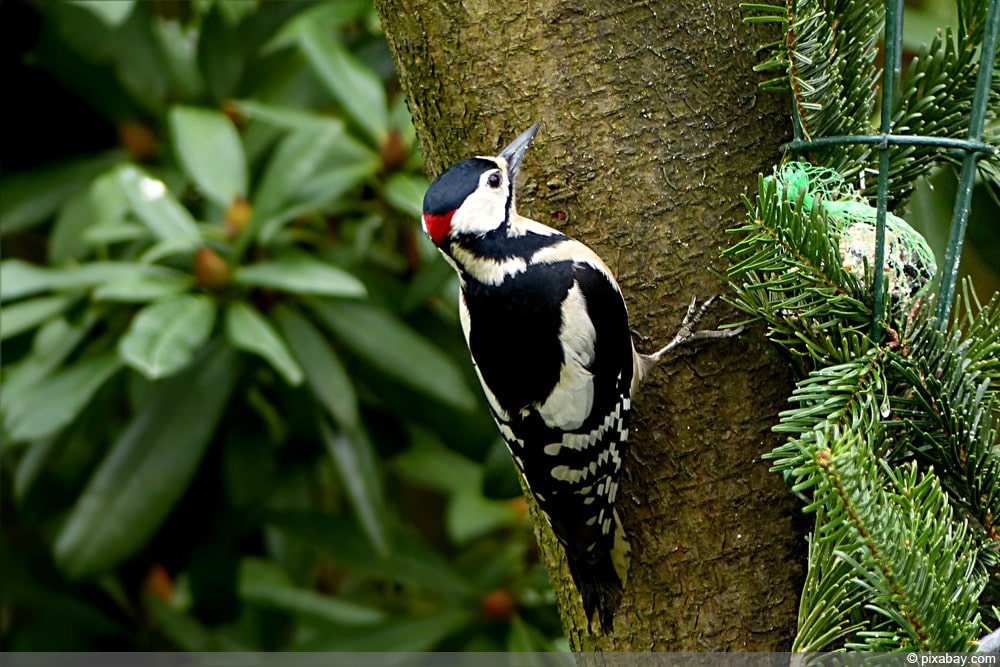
[(493, 180)]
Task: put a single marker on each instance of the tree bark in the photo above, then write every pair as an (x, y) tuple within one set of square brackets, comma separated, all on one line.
[(652, 130)]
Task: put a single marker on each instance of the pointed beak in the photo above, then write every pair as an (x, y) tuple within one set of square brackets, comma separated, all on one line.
[(514, 153)]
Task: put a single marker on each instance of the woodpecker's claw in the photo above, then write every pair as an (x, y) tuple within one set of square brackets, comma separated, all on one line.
[(686, 334)]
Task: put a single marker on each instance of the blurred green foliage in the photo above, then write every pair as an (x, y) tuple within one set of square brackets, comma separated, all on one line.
[(237, 412)]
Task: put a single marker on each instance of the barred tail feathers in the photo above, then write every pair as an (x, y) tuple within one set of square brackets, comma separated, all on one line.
[(600, 580)]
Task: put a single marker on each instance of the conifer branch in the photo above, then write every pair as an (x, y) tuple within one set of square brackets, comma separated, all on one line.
[(892, 444), (827, 64), (830, 603), (787, 271), (936, 101), (886, 440)]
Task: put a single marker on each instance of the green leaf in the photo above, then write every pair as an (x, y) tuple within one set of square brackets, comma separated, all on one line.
[(52, 345), (301, 274), (140, 64), (429, 463), (168, 248), (356, 87), (355, 457), (30, 197), (220, 55), (165, 335), (27, 315), (248, 330), (287, 118), (259, 572), (500, 476), (264, 584), (295, 161), (66, 240), (183, 629), (435, 277), (249, 460), (311, 605), (523, 638), (330, 15), (410, 561), (396, 350), (406, 193), (44, 408), (470, 515), (148, 468), (211, 153), (156, 207), (325, 374), (321, 191), (179, 59), (18, 278), (52, 617), (108, 200), (32, 463), (144, 288), (403, 633), (115, 232), (401, 121), (111, 12), (281, 194), (235, 12)]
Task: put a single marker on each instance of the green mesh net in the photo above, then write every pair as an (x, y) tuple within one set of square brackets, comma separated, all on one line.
[(909, 262)]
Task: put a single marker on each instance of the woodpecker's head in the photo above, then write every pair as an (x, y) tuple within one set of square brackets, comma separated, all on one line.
[(476, 195)]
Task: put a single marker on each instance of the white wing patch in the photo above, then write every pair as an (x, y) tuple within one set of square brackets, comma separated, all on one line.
[(572, 250), (519, 226), (485, 208), (569, 404)]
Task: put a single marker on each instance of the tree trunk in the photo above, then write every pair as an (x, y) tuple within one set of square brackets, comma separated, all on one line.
[(652, 129)]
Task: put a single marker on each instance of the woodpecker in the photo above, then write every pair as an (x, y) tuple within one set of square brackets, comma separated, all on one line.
[(548, 331)]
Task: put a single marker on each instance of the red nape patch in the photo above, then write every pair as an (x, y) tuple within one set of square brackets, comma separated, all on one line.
[(438, 226)]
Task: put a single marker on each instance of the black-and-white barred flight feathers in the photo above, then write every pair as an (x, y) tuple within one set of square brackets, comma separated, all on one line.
[(548, 330)]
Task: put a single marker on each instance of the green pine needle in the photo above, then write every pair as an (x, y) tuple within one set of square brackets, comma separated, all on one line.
[(892, 444), (827, 62)]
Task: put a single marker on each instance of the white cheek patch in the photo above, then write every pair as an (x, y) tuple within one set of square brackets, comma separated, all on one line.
[(481, 212)]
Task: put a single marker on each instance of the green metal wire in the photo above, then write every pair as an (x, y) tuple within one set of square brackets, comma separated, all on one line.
[(973, 148), (890, 75), (892, 140), (960, 215)]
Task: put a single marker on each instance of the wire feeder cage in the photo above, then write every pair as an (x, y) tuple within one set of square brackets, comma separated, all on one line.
[(972, 148)]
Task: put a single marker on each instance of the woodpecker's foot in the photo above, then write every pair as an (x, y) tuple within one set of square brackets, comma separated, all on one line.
[(687, 334)]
